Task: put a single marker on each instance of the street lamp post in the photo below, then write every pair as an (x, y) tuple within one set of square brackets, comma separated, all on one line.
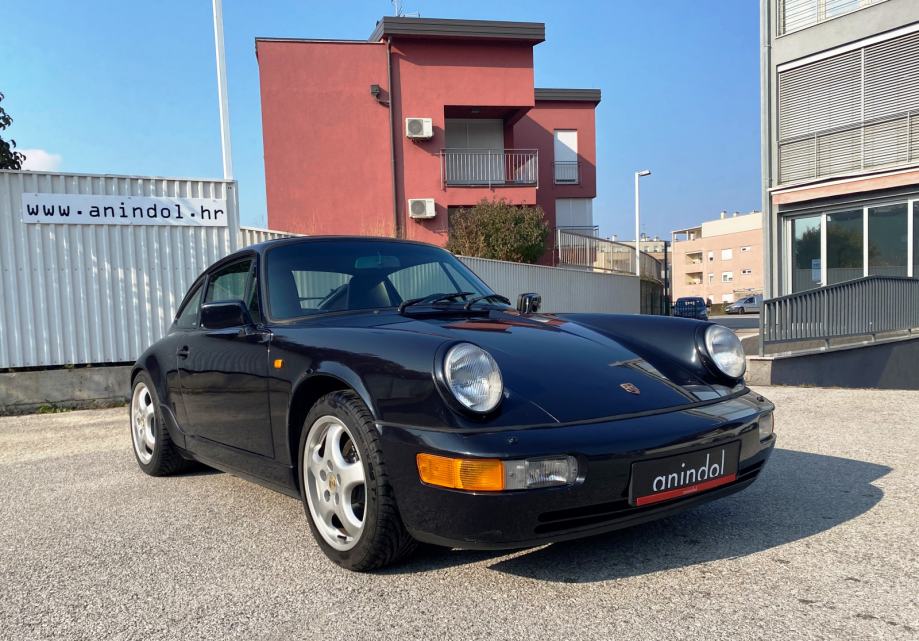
[(638, 175)]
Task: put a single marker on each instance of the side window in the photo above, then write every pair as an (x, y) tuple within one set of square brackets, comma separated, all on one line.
[(229, 283), (188, 316)]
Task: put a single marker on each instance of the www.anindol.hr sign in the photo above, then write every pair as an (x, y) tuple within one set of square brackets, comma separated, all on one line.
[(87, 209)]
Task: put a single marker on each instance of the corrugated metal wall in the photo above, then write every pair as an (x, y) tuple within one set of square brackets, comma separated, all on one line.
[(77, 294), (562, 290), (97, 293)]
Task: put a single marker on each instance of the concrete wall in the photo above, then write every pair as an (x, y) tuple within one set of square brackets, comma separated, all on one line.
[(890, 365), (79, 387)]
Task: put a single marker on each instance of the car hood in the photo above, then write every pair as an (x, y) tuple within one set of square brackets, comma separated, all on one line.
[(571, 371)]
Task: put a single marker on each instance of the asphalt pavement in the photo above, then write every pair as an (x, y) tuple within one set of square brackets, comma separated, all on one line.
[(737, 321), (822, 546)]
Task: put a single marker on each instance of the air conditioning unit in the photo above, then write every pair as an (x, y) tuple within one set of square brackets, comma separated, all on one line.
[(419, 128), (421, 208)]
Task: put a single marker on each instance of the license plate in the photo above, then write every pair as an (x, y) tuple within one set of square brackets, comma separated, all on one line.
[(669, 478)]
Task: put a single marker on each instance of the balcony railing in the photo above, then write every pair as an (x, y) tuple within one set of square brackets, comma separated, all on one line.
[(798, 14), (884, 142), (567, 172), (599, 254), (489, 167)]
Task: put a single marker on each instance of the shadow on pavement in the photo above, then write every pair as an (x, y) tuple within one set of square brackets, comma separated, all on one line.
[(798, 495)]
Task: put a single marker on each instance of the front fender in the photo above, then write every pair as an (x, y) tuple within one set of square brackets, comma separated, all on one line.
[(670, 344)]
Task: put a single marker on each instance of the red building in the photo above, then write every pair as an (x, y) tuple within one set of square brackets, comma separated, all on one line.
[(438, 111)]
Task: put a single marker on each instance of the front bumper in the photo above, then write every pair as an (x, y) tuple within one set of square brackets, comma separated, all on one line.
[(598, 502)]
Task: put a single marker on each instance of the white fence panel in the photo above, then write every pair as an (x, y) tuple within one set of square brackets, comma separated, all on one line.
[(562, 290), (254, 235), (99, 293)]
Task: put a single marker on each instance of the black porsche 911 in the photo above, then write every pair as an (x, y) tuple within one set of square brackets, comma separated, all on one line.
[(387, 387)]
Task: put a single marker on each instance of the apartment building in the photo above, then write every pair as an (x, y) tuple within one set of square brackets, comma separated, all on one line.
[(390, 135), (840, 141), (720, 260)]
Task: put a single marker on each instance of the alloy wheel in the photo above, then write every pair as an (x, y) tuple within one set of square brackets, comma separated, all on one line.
[(143, 423), (334, 482)]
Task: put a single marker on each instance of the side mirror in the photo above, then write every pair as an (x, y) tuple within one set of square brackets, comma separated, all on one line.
[(231, 313), (529, 303)]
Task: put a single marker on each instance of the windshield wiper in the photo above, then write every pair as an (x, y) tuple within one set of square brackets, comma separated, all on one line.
[(431, 299), (477, 299)]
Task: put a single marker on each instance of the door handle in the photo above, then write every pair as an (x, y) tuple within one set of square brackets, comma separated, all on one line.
[(182, 352)]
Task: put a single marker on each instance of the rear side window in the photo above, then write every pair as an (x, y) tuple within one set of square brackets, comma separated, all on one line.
[(188, 315), (229, 283)]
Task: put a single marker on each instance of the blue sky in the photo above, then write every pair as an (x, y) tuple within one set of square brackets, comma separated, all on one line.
[(129, 88)]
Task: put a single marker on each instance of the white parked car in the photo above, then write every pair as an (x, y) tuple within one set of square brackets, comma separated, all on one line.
[(745, 305)]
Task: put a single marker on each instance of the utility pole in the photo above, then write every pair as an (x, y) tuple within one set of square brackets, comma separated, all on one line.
[(222, 92)]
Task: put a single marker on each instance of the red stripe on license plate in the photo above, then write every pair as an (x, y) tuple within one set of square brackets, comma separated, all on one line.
[(684, 491)]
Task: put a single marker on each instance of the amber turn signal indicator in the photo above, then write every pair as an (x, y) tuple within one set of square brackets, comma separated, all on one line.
[(278, 363), (481, 475)]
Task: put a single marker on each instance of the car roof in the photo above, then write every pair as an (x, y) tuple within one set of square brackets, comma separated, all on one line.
[(291, 240), (261, 248)]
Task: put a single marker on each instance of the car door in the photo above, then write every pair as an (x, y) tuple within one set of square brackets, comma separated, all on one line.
[(224, 373)]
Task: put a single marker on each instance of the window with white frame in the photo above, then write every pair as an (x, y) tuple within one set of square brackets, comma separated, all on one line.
[(727, 277), (745, 249), (727, 254), (711, 256), (711, 278), (746, 272)]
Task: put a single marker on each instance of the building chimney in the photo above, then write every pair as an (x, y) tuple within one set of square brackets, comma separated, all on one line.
[(724, 214)]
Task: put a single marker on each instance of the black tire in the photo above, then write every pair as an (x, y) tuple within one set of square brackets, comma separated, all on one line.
[(166, 459), (741, 311), (384, 539)]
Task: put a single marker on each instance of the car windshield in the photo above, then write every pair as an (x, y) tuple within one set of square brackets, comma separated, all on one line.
[(315, 277)]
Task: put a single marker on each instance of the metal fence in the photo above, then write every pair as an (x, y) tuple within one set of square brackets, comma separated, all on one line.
[(589, 252), (254, 235), (489, 167), (98, 293), (81, 293), (863, 307), (567, 172), (562, 290)]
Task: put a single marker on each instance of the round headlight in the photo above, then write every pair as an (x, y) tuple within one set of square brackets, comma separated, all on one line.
[(725, 350), (473, 377)]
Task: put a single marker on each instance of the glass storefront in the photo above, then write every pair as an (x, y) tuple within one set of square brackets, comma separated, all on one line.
[(887, 240), (840, 245), (844, 246), (805, 250)]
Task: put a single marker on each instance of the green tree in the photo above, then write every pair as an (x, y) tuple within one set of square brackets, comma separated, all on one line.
[(9, 157), (499, 230)]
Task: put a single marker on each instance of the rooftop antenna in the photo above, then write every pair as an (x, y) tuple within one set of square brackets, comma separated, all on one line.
[(399, 10)]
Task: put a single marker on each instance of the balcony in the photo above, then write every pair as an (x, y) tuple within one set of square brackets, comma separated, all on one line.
[(890, 141), (800, 14), (567, 172), (489, 167)]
